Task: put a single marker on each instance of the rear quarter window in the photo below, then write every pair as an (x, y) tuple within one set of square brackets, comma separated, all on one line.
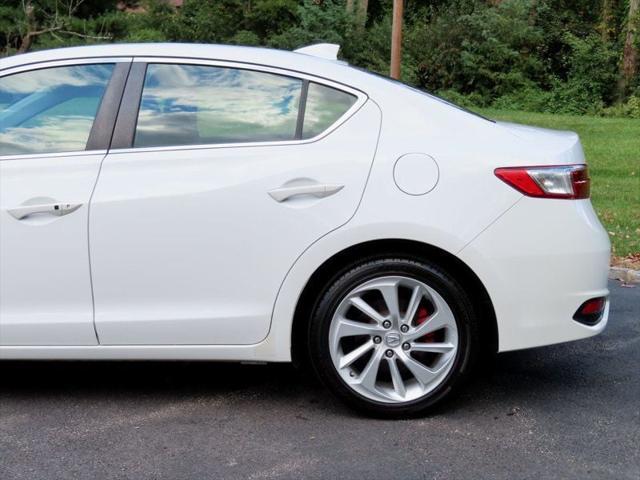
[(325, 106)]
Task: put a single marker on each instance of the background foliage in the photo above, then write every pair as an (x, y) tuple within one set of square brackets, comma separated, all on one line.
[(506, 57), (559, 56)]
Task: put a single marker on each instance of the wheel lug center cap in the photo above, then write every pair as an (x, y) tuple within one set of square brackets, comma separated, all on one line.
[(392, 339)]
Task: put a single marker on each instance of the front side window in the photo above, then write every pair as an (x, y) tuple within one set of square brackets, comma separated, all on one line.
[(50, 110), (196, 105)]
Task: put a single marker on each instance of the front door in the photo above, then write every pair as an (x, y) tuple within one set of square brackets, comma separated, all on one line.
[(48, 169), (228, 181)]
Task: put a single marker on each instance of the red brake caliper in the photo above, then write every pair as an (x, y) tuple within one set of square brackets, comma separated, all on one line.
[(422, 316)]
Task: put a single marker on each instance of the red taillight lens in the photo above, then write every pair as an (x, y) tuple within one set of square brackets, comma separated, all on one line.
[(561, 181), (590, 312), (581, 182)]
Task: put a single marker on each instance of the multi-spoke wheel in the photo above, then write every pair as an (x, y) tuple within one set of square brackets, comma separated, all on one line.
[(393, 339), (392, 336)]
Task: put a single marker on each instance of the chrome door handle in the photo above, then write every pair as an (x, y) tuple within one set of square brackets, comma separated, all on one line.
[(317, 190), (57, 209)]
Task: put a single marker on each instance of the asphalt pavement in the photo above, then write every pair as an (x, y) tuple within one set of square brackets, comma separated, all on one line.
[(565, 411)]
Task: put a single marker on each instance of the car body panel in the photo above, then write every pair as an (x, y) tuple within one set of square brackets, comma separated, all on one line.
[(545, 257), (188, 272), (45, 283), (537, 258)]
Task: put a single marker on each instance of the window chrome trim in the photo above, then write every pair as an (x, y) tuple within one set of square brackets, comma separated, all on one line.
[(361, 99), (75, 153), (27, 67), (259, 67)]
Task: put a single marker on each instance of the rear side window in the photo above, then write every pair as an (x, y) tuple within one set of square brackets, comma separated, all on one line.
[(191, 105), (184, 105), (325, 105), (50, 110)]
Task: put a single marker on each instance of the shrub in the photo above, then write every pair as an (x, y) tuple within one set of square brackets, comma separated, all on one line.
[(490, 50), (630, 109), (471, 100), (593, 68), (245, 37), (529, 99), (326, 22)]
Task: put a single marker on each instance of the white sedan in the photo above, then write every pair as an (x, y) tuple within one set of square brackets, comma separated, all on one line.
[(208, 202)]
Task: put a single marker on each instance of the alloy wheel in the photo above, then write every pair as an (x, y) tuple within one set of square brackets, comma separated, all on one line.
[(393, 339)]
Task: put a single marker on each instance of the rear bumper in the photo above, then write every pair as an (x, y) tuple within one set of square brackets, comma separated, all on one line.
[(539, 262)]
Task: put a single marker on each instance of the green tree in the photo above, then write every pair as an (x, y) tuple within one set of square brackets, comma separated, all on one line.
[(50, 22), (484, 49)]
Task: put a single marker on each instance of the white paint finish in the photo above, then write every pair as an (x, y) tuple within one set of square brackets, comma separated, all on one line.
[(170, 227), (297, 62), (206, 247), (45, 289), (416, 173), (540, 261), (468, 199), (53, 58), (328, 51)]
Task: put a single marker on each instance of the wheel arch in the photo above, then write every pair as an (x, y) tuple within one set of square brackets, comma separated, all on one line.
[(343, 260)]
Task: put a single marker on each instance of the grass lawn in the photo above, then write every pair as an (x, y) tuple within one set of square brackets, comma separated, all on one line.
[(612, 148)]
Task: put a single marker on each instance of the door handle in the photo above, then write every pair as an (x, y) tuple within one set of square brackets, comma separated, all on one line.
[(317, 190), (57, 209)]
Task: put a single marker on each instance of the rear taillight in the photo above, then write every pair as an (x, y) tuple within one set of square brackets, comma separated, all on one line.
[(562, 181), (590, 312)]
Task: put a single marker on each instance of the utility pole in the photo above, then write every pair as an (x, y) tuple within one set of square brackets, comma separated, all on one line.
[(396, 38)]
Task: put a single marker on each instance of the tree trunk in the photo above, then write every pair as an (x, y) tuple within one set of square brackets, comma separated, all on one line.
[(607, 25), (25, 43), (349, 6), (360, 8), (533, 13), (27, 38), (363, 9), (630, 52)]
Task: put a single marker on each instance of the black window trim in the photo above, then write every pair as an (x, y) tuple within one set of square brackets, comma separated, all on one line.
[(103, 123), (105, 120), (302, 109), (125, 128)]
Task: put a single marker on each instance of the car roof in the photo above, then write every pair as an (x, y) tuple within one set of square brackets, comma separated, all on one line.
[(295, 61), (307, 61)]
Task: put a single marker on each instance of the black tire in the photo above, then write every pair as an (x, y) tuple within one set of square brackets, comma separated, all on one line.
[(433, 276)]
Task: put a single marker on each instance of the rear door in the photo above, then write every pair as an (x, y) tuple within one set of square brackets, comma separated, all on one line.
[(222, 179), (55, 125)]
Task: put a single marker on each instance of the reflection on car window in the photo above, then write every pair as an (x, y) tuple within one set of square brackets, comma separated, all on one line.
[(50, 110), (192, 104), (325, 106)]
